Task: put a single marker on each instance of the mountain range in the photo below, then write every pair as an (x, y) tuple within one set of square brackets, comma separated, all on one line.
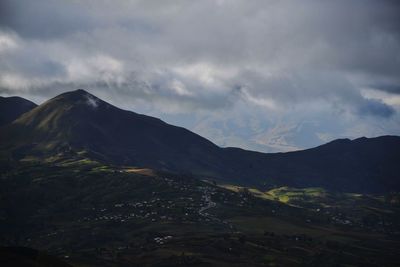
[(78, 123)]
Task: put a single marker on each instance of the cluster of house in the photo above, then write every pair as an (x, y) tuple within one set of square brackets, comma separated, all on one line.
[(192, 206), (162, 240)]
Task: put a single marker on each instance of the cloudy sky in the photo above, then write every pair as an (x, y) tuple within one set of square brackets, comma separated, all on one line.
[(262, 75)]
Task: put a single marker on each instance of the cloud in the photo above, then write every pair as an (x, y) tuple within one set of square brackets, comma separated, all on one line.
[(376, 108), (210, 57), (92, 102), (390, 88)]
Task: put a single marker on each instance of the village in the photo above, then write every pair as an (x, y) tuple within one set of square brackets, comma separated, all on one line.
[(180, 203)]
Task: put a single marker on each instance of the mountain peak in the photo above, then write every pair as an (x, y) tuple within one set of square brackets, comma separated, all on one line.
[(61, 114), (78, 97), (82, 91), (76, 92)]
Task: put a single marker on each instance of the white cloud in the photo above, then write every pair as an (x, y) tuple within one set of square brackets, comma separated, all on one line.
[(178, 87), (99, 67), (7, 42), (92, 102)]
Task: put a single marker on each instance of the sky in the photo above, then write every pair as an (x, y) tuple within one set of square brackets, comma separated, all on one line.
[(262, 75)]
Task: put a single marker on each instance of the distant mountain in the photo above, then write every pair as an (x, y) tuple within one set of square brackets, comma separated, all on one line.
[(12, 107), (360, 165), (78, 123)]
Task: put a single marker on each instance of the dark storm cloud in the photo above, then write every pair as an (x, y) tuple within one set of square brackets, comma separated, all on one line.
[(376, 108), (282, 37), (390, 88), (44, 19)]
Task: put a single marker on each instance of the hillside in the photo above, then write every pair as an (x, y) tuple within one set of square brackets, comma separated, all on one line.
[(90, 214), (12, 107), (360, 165), (78, 123)]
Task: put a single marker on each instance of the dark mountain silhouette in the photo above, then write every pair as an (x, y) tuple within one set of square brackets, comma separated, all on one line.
[(12, 107), (79, 123)]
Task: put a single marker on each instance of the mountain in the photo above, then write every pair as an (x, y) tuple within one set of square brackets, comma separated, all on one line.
[(360, 165), (12, 107), (91, 184), (79, 124)]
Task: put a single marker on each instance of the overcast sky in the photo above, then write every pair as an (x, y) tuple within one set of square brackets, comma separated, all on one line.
[(263, 75)]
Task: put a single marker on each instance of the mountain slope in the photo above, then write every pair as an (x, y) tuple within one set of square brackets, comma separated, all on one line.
[(78, 123), (360, 165), (12, 107)]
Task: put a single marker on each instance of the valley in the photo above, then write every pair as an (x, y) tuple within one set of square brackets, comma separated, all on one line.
[(89, 214)]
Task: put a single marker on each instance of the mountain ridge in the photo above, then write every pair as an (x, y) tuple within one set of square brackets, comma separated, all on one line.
[(77, 122)]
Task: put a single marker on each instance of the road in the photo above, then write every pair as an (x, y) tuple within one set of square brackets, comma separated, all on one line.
[(209, 204)]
